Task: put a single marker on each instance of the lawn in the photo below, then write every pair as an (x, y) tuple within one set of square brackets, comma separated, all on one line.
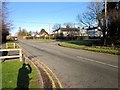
[(89, 45), (81, 42), (71, 45), (103, 49), (77, 43), (10, 73)]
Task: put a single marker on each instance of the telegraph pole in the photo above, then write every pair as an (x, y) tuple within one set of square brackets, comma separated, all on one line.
[(105, 23), (106, 13), (49, 30)]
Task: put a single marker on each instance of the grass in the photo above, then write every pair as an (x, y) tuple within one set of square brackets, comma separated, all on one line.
[(103, 49), (87, 45), (70, 45), (10, 71), (81, 42)]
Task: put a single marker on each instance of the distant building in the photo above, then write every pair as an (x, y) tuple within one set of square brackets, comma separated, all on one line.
[(76, 32), (94, 31), (66, 32), (83, 32), (40, 35)]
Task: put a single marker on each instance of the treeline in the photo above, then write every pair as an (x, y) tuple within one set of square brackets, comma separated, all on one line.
[(24, 32), (113, 25)]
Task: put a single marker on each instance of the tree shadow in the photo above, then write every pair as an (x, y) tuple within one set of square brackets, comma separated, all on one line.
[(23, 77)]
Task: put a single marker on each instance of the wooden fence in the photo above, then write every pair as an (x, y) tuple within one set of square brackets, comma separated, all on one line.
[(14, 49), (14, 45)]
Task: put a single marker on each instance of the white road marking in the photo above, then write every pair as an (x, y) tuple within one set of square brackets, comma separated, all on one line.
[(97, 61)]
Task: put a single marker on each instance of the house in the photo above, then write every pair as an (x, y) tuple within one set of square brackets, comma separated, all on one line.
[(94, 32), (40, 35), (75, 33), (44, 35), (83, 32), (66, 32)]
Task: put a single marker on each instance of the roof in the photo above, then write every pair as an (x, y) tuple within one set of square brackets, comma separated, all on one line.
[(91, 28), (67, 29)]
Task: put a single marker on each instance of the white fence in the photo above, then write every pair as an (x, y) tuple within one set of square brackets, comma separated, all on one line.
[(14, 56), (7, 45)]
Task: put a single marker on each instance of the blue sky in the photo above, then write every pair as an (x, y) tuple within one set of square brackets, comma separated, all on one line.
[(33, 16)]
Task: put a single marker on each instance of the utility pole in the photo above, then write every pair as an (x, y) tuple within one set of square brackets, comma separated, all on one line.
[(49, 30), (106, 13), (74, 31), (105, 22)]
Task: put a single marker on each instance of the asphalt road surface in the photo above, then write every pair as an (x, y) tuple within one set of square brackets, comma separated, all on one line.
[(76, 68)]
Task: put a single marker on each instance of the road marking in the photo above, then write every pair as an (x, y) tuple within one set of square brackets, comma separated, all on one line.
[(59, 83), (50, 77), (53, 83), (97, 61)]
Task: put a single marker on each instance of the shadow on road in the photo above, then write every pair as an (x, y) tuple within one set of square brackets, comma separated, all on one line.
[(23, 77)]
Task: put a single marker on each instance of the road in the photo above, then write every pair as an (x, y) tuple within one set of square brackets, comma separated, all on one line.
[(76, 68)]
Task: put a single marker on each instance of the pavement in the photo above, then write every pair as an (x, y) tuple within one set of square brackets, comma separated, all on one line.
[(76, 68)]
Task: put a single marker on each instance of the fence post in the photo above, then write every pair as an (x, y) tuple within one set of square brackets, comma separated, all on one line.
[(20, 53), (6, 45), (14, 45)]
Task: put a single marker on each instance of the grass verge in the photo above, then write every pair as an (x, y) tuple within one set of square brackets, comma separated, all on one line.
[(103, 50), (10, 72), (86, 45), (70, 45)]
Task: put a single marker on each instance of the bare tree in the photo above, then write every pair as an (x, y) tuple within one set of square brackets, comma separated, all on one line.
[(4, 21), (69, 24), (93, 14), (56, 26)]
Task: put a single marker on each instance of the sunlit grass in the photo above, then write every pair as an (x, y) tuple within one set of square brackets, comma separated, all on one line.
[(87, 45), (10, 71), (104, 49), (66, 44)]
